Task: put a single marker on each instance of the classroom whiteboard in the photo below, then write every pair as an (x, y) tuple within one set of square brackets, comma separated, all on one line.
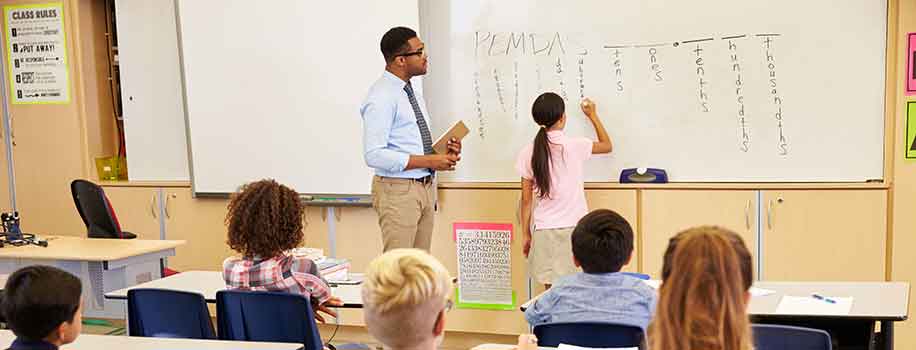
[(273, 89), (710, 90)]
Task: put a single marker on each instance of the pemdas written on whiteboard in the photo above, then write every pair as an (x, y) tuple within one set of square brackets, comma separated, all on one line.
[(691, 70)]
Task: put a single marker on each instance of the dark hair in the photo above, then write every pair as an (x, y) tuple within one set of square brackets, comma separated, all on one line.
[(547, 110), (744, 256), (395, 41), (37, 299), (264, 219), (602, 241)]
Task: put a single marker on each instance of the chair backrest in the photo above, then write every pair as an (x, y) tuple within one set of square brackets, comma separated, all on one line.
[(168, 314), (95, 210), (266, 316), (589, 334), (772, 337)]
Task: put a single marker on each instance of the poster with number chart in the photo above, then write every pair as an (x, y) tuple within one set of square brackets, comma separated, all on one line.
[(484, 265)]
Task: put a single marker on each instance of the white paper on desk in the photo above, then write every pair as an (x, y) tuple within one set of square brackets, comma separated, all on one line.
[(573, 347), (807, 305), (757, 292)]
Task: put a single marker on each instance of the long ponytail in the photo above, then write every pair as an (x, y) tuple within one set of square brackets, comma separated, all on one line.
[(548, 108)]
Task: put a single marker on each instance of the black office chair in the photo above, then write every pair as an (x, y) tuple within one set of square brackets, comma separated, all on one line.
[(96, 211)]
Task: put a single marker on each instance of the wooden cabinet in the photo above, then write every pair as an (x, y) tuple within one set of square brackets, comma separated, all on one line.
[(824, 235), (201, 222), (137, 209), (154, 123), (667, 212)]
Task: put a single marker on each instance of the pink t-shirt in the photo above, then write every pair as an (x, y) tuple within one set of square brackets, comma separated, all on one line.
[(566, 204)]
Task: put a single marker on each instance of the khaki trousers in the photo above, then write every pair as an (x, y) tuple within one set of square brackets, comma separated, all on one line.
[(406, 210)]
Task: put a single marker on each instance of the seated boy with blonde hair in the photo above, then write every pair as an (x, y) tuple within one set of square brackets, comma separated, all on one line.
[(406, 294)]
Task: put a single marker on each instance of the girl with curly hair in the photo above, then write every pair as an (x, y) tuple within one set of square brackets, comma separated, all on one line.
[(265, 224)]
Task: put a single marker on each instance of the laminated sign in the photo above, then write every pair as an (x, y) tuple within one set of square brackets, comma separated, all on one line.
[(37, 53), (484, 265)]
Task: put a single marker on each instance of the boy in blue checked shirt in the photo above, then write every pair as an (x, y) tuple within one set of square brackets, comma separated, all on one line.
[(602, 244)]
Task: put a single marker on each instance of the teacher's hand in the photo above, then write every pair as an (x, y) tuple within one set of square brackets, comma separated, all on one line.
[(444, 161), (454, 146)]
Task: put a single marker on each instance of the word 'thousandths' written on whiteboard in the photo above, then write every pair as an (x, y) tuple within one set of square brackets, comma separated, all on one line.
[(735, 76)]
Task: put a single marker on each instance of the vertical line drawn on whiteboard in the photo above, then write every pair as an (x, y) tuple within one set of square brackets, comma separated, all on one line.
[(768, 45), (581, 78), (515, 83), (745, 140), (481, 121), (499, 89), (559, 71)]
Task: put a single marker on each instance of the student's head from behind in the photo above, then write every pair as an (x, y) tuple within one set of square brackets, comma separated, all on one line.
[(405, 298), (264, 219), (703, 299), (602, 242), (43, 303), (549, 112), (404, 51)]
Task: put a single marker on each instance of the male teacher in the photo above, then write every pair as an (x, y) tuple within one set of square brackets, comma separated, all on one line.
[(398, 145)]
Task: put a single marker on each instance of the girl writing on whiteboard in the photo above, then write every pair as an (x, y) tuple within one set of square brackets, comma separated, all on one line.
[(552, 168)]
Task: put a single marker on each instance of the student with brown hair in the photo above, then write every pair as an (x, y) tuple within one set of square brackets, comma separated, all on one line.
[(706, 278), (43, 307), (265, 224), (551, 170)]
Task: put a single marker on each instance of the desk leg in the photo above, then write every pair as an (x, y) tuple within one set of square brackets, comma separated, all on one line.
[(887, 334), (332, 232), (161, 267)]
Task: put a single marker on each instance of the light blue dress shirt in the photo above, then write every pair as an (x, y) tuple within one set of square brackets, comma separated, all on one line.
[(390, 132), (585, 297)]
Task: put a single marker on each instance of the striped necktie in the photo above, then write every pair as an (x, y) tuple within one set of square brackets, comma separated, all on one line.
[(421, 122)]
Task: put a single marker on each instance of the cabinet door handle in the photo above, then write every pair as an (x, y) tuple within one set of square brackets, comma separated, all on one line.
[(167, 201), (747, 214), (770, 215), (152, 205)]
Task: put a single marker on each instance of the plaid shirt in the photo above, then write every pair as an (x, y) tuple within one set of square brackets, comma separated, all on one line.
[(282, 273)]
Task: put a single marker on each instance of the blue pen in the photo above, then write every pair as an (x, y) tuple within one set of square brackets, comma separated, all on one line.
[(820, 297)]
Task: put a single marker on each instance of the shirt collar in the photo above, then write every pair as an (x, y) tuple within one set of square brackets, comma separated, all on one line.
[(394, 80), (555, 134), (20, 344)]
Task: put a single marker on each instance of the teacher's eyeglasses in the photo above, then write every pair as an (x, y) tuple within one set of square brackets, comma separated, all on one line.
[(420, 52)]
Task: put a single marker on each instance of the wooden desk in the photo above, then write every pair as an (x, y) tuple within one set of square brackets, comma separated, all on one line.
[(96, 342), (101, 264), (208, 283), (884, 302)]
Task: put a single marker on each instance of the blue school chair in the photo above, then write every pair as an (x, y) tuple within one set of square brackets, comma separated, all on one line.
[(168, 314), (589, 334), (777, 337), (266, 316)]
